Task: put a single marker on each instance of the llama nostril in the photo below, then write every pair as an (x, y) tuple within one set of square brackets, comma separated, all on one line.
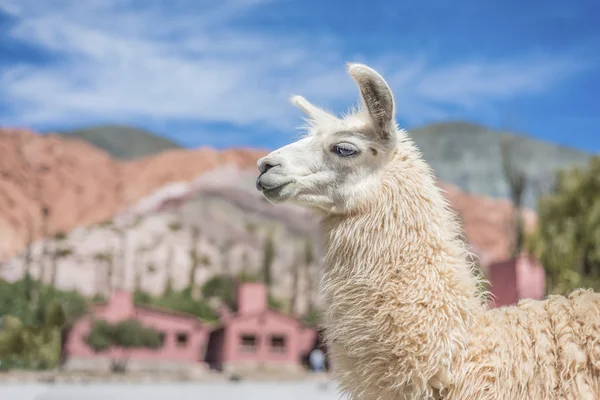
[(266, 165)]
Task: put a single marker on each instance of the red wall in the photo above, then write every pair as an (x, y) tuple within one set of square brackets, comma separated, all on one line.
[(121, 307), (515, 279)]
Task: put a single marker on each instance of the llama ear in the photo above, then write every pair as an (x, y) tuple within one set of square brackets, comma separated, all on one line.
[(310, 109), (377, 97)]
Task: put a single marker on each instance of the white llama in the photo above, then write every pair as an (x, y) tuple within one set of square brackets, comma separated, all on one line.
[(404, 318)]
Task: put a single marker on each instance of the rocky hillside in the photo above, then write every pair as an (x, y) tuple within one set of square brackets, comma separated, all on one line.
[(222, 217), (49, 184), (123, 142), (52, 185), (463, 154), (470, 157)]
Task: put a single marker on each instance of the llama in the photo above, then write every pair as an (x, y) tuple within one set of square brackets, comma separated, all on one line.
[(405, 315)]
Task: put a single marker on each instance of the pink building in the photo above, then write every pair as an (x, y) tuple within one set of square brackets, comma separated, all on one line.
[(515, 279), (184, 336), (257, 336)]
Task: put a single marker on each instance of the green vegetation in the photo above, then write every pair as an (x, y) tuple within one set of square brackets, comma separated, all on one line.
[(516, 178), (13, 301), (123, 142), (178, 301), (195, 258), (32, 346), (275, 303), (567, 238), (312, 318), (31, 328), (221, 287), (268, 258), (308, 262), (125, 334)]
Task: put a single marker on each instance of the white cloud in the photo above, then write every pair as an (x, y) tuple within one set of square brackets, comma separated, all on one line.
[(187, 60)]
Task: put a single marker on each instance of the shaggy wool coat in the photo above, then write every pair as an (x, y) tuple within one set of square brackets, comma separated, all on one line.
[(406, 318)]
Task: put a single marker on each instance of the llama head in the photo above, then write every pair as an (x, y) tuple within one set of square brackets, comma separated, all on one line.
[(341, 160)]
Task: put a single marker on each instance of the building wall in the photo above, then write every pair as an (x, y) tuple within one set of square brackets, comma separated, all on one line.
[(118, 309), (515, 279), (308, 340), (503, 283), (531, 281), (263, 328)]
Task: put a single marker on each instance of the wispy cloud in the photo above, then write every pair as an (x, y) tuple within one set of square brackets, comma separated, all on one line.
[(123, 60)]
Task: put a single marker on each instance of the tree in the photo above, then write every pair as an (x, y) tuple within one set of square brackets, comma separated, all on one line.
[(567, 236), (36, 346), (195, 258), (57, 253), (32, 295), (44, 253), (296, 267), (245, 263), (268, 257), (107, 259), (27, 258), (308, 261), (174, 227), (226, 256), (222, 287), (137, 266), (126, 334), (516, 179)]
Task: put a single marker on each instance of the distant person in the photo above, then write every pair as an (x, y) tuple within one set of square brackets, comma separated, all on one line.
[(317, 360)]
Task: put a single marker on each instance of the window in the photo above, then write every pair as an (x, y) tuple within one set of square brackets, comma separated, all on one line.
[(182, 339), (162, 336), (278, 344), (248, 343)]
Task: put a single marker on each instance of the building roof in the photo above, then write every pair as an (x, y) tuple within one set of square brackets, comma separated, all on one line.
[(162, 311), (237, 316)]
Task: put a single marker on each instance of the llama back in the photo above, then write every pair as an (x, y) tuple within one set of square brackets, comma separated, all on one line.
[(538, 349)]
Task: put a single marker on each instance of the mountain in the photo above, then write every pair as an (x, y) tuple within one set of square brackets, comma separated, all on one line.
[(123, 142), (134, 222), (461, 153), (470, 157), (79, 184), (226, 220), (232, 222)]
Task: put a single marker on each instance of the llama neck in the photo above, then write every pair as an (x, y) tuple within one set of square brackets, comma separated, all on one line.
[(398, 287)]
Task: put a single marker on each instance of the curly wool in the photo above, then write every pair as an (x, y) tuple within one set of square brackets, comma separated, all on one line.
[(406, 317)]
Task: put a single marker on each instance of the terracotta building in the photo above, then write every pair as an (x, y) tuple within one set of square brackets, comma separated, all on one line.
[(253, 337), (184, 336), (515, 279), (257, 336)]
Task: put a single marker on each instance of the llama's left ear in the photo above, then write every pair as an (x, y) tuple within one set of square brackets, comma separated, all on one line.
[(310, 109), (377, 97)]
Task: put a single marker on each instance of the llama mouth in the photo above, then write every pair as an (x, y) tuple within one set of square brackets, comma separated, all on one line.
[(274, 194), (269, 184)]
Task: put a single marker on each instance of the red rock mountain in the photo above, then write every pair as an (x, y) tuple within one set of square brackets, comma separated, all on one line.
[(79, 184), (74, 183)]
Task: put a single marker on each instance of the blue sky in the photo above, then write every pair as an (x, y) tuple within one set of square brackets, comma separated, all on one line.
[(220, 72)]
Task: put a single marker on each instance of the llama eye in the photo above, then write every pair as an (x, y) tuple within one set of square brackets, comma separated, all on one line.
[(344, 149)]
